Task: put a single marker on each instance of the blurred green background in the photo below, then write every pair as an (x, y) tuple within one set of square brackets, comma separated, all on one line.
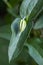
[(9, 10)]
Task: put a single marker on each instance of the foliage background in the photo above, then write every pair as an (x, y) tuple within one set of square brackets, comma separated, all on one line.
[(9, 10)]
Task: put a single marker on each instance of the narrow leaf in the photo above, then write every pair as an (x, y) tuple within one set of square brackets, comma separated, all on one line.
[(23, 8), (17, 41), (35, 54)]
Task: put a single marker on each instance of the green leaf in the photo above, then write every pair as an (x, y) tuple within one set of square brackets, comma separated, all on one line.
[(38, 48), (35, 50), (35, 54), (5, 32), (17, 41), (23, 8), (35, 42), (39, 23), (14, 37), (36, 10), (31, 7)]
